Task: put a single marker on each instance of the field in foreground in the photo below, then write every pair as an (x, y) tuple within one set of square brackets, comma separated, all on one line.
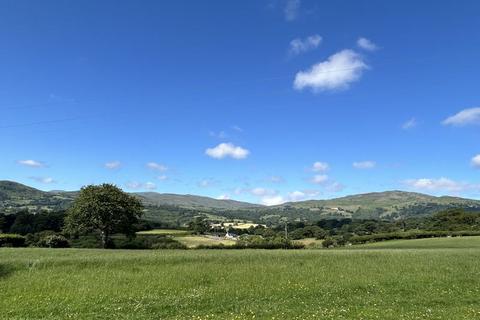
[(440, 283)]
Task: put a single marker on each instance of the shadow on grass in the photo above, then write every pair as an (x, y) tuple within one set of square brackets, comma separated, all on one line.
[(5, 271)]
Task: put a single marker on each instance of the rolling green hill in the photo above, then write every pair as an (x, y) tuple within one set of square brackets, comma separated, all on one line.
[(387, 205), (15, 196), (178, 209), (191, 201)]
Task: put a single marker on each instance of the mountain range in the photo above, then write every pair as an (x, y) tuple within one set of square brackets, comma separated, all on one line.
[(178, 209)]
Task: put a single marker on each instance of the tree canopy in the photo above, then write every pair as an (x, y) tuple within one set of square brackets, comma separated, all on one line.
[(103, 208)]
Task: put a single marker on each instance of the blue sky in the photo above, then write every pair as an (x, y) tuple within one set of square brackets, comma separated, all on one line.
[(262, 101)]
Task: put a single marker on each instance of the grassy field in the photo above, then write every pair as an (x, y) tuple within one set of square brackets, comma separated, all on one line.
[(173, 232), (437, 279), (428, 243), (310, 243), (195, 241)]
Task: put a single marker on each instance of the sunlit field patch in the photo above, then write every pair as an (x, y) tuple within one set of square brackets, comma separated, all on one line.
[(164, 232)]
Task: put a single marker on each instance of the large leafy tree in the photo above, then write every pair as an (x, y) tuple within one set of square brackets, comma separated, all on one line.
[(103, 208)]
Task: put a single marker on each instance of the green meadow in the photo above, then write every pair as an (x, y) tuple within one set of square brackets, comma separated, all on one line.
[(409, 279)]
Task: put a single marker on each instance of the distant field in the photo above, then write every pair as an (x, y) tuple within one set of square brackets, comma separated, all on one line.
[(241, 225), (432, 282), (310, 243), (428, 243), (164, 232), (195, 241)]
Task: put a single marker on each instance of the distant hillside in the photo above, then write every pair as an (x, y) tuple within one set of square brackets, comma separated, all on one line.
[(178, 209), (388, 204), (15, 196), (191, 201)]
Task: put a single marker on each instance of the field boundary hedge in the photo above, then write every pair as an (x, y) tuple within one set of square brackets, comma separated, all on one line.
[(416, 234), (12, 240)]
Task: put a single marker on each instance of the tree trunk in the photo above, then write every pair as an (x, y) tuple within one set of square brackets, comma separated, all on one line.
[(105, 238)]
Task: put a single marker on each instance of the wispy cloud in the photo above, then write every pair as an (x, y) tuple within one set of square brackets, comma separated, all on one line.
[(441, 185), (134, 185), (338, 72), (224, 150), (319, 178), (218, 135), (262, 192), (409, 124), (32, 163), (291, 9), (275, 179), (366, 44), (298, 45), (45, 180), (335, 187), (320, 166), (113, 165), (157, 166), (237, 128), (464, 117), (163, 177), (364, 164), (476, 161), (206, 183)]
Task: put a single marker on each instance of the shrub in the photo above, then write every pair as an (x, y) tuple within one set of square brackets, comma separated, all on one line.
[(12, 240), (168, 244), (328, 243), (56, 241)]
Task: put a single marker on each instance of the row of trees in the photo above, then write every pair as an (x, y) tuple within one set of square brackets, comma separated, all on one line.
[(103, 209)]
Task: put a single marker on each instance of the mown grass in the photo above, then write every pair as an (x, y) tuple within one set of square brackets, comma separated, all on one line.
[(240, 284)]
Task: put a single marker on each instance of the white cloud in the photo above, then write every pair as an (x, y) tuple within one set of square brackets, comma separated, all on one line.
[(319, 178), (441, 184), (464, 117), (163, 177), (113, 165), (32, 163), (290, 197), (261, 192), (366, 44), (298, 45), (302, 195), (227, 150), (273, 200), (320, 166), (157, 166), (223, 197), (291, 10), (411, 123), (476, 161), (138, 185), (364, 165), (46, 180), (337, 72), (150, 186)]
